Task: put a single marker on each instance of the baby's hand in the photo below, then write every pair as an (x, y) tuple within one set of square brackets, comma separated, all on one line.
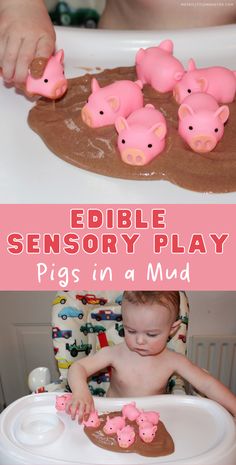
[(80, 405), (26, 32)]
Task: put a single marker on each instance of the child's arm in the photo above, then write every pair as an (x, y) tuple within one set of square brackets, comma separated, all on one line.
[(26, 31), (205, 383), (82, 401)]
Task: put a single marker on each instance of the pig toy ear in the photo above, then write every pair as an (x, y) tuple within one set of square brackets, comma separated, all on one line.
[(154, 429), (114, 103), (203, 83), (60, 56), (167, 45), (139, 56), (159, 130), (121, 124), (191, 65), (185, 110), (222, 113), (94, 85), (178, 76)]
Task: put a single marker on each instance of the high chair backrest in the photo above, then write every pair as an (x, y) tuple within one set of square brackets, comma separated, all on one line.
[(85, 321)]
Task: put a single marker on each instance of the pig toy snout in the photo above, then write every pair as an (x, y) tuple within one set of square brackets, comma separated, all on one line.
[(176, 94), (133, 156), (86, 117), (202, 143), (59, 89)]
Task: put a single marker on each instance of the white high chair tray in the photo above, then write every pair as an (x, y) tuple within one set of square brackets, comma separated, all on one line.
[(33, 432), (30, 173)]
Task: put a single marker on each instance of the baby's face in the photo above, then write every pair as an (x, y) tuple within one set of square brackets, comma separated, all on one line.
[(147, 327)]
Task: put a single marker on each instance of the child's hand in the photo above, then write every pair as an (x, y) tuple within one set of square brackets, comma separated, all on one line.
[(80, 404), (26, 32)]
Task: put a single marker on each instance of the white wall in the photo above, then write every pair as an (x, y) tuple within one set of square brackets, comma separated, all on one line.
[(212, 313)]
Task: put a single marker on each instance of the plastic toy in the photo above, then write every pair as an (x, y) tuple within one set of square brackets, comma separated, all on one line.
[(126, 436), (105, 104), (93, 420), (141, 136), (158, 67), (61, 401), (130, 411), (201, 122), (152, 417), (114, 424), (217, 81), (147, 431), (65, 15), (47, 78)]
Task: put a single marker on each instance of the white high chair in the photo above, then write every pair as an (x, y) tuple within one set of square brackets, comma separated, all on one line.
[(85, 321)]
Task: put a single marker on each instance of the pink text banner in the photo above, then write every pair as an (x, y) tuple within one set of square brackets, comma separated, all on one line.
[(49, 247)]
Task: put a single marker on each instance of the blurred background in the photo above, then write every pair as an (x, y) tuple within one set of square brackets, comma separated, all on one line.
[(78, 13)]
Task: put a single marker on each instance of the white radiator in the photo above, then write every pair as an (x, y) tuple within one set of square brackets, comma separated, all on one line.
[(217, 354)]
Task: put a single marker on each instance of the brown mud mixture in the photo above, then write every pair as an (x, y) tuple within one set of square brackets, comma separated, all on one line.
[(63, 131), (161, 445)]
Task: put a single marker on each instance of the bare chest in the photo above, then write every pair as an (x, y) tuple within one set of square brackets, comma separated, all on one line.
[(140, 376)]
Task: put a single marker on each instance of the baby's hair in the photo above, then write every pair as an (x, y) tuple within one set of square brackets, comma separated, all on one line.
[(169, 299)]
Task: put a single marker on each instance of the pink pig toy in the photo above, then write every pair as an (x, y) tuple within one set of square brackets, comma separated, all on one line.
[(113, 424), (126, 437), (62, 400), (147, 431), (93, 420), (217, 81), (158, 67), (201, 122), (105, 104), (141, 136), (152, 417), (130, 411), (50, 81)]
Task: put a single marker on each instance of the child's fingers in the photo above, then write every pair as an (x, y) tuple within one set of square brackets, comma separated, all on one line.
[(68, 407), (10, 57), (25, 57), (88, 409), (45, 47), (92, 406), (74, 409), (80, 412)]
